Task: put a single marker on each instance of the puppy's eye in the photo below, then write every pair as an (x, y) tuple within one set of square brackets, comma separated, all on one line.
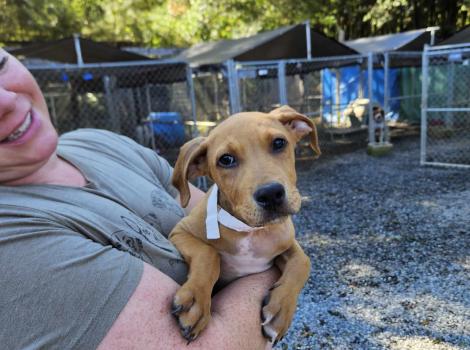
[(227, 161), (279, 144)]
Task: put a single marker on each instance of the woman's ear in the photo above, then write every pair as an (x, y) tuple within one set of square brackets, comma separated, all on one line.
[(299, 124), (191, 163)]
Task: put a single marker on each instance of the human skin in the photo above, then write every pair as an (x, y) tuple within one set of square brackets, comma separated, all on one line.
[(31, 159), (145, 322)]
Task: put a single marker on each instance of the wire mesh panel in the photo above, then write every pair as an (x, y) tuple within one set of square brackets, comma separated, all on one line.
[(211, 97), (258, 87), (331, 92), (446, 107), (402, 87), (304, 88), (148, 102)]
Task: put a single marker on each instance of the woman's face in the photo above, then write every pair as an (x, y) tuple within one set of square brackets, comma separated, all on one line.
[(27, 136)]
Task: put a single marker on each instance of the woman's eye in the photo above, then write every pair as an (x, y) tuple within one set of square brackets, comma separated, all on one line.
[(227, 161), (279, 144)]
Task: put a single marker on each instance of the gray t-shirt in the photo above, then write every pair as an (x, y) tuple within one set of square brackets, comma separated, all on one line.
[(63, 282)]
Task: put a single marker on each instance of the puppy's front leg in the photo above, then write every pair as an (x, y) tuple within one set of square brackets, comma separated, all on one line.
[(192, 303), (280, 304)]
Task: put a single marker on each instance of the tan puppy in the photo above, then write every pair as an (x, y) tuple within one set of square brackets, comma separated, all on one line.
[(250, 157)]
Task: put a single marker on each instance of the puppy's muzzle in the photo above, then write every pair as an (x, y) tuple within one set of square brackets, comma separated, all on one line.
[(271, 196)]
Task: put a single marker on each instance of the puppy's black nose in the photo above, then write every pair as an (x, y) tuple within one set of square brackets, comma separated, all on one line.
[(270, 196)]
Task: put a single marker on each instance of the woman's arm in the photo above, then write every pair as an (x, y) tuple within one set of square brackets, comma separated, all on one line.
[(146, 321)]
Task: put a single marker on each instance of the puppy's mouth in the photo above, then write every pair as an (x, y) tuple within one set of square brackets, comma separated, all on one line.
[(261, 217), (274, 217)]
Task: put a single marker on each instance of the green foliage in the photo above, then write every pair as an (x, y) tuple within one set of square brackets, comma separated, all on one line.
[(185, 22)]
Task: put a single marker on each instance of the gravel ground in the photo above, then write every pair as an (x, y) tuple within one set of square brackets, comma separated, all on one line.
[(389, 242)]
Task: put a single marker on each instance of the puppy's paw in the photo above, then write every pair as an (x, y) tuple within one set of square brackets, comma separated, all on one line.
[(191, 307), (277, 311)]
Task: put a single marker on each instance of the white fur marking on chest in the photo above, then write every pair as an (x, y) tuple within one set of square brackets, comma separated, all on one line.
[(243, 263)]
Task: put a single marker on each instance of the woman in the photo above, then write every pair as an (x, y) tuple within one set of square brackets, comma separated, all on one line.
[(84, 259)]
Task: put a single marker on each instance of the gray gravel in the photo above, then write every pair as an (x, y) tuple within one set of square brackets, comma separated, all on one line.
[(389, 242)]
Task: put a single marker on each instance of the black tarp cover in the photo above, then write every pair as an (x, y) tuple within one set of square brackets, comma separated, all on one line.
[(64, 51), (283, 43), (461, 37)]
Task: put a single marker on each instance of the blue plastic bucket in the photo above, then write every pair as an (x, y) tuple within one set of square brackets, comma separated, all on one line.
[(168, 128)]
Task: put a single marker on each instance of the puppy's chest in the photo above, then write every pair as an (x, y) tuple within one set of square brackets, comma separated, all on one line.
[(254, 252)]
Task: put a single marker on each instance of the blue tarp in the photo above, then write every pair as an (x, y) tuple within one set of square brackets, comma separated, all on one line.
[(349, 85)]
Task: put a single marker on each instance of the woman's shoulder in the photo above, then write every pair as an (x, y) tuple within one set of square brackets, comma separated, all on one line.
[(94, 136), (99, 141)]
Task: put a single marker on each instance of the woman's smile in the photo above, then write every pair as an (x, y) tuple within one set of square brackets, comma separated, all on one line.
[(23, 133)]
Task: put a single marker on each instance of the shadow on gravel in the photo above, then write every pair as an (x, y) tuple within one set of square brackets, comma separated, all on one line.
[(390, 248)]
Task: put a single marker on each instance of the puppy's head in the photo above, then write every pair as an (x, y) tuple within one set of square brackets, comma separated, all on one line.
[(251, 158), (378, 114)]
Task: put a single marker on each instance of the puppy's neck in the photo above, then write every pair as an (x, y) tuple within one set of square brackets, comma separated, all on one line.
[(215, 216)]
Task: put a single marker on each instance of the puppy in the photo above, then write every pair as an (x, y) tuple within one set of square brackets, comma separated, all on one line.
[(243, 224), (378, 117)]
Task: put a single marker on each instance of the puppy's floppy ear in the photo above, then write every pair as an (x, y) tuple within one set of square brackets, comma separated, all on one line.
[(191, 163), (298, 124)]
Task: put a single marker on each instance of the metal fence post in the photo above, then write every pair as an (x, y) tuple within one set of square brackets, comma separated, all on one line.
[(109, 86), (78, 49), (192, 98), (370, 71), (424, 103), (233, 87), (386, 82), (308, 39), (281, 78)]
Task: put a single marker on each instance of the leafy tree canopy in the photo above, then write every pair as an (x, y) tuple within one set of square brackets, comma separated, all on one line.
[(179, 23)]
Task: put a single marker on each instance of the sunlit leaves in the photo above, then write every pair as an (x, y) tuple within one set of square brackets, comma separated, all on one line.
[(181, 23)]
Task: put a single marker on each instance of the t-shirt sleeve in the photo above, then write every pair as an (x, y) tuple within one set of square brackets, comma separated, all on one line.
[(62, 290), (160, 166), (124, 147)]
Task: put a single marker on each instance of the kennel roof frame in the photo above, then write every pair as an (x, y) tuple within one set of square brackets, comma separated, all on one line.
[(413, 40)]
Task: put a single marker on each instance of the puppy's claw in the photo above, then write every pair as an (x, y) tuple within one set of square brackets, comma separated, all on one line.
[(189, 337), (186, 331), (266, 335), (266, 300), (176, 309)]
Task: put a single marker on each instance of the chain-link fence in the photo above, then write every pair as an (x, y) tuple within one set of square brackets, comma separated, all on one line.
[(161, 105), (402, 87), (321, 88), (211, 97), (445, 128), (149, 102)]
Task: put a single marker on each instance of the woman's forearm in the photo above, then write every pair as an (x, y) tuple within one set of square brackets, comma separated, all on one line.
[(146, 321), (236, 309)]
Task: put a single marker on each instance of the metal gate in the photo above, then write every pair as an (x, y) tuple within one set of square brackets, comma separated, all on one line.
[(445, 116)]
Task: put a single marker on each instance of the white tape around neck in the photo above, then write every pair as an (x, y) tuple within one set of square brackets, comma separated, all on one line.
[(216, 216)]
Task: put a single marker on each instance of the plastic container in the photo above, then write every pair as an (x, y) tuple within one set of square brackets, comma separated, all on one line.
[(168, 129)]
